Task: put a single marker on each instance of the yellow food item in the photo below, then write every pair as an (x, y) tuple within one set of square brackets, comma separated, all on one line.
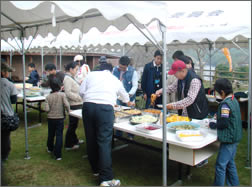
[(153, 111), (176, 117), (188, 135), (153, 99)]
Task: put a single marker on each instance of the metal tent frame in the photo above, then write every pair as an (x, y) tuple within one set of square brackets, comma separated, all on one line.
[(163, 31)]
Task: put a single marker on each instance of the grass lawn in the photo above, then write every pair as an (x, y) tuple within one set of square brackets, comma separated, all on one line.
[(134, 166)]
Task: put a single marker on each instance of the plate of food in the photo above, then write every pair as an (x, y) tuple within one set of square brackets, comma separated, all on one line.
[(34, 89), (182, 125), (190, 135), (32, 94), (143, 119), (175, 117), (147, 128), (132, 111), (152, 111)]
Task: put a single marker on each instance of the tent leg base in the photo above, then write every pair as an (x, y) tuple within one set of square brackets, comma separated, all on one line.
[(177, 183), (33, 126), (27, 157)]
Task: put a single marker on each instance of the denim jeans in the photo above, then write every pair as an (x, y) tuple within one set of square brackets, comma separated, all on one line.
[(225, 165), (55, 128), (98, 120)]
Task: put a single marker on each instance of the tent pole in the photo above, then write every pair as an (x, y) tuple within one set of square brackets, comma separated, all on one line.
[(27, 157), (10, 63), (56, 59), (42, 61), (164, 101), (152, 36), (210, 58), (60, 58), (142, 32), (249, 107)]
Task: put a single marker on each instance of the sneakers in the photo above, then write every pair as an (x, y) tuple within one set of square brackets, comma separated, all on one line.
[(48, 150), (115, 139), (201, 164), (96, 174), (131, 138), (81, 141), (72, 148), (58, 158), (113, 182)]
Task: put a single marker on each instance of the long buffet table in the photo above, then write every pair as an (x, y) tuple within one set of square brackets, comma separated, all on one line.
[(189, 153)]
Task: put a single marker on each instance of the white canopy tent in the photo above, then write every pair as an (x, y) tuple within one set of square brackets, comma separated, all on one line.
[(181, 20)]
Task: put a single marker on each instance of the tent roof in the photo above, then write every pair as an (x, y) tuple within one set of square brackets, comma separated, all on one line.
[(185, 21), (75, 14)]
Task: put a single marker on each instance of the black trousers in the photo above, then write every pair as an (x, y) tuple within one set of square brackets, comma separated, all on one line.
[(5, 144), (71, 137), (98, 122), (55, 128)]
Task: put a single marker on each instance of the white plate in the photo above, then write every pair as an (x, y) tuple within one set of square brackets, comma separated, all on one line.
[(159, 105), (119, 108)]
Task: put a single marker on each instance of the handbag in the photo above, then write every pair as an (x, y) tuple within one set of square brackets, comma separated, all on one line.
[(9, 123)]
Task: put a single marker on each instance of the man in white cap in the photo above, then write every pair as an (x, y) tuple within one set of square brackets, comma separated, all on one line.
[(83, 70)]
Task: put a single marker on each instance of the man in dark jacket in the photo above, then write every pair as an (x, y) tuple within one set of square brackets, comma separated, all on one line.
[(192, 101), (152, 78), (34, 76)]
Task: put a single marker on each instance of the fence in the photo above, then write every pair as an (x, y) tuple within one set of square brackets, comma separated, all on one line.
[(233, 76)]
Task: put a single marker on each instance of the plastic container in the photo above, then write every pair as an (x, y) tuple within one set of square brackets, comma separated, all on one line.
[(148, 128), (190, 135)]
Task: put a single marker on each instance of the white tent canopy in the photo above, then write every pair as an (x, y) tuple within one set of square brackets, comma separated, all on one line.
[(184, 20)]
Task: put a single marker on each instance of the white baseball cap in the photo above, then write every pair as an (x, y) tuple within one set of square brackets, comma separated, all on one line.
[(78, 57)]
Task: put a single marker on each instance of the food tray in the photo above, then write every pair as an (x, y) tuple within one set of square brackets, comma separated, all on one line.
[(124, 118), (142, 128), (170, 126), (152, 111), (135, 123), (133, 114), (190, 135)]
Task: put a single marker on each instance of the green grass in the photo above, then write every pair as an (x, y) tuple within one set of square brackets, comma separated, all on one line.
[(134, 166)]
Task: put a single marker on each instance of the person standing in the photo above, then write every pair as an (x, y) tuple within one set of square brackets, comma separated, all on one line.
[(192, 101), (72, 88), (51, 70), (83, 70), (177, 54), (152, 78), (55, 104), (99, 91), (8, 97), (229, 132), (128, 76), (102, 60), (34, 76)]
